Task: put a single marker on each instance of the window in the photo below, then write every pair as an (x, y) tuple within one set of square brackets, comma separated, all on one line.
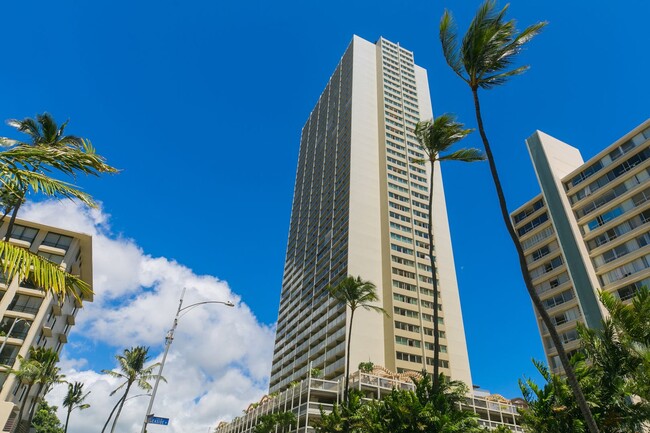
[(406, 299), (23, 233), (51, 257), (406, 326), (407, 341), (409, 357), (405, 312), (528, 211), (57, 241), (532, 224), (541, 253), (558, 299), (441, 362)]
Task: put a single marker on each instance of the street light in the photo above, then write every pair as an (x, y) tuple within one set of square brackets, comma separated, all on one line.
[(168, 342), (11, 328)]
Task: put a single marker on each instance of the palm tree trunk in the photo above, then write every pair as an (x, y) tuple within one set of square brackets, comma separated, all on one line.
[(546, 319), (346, 391), (12, 221), (67, 418), (119, 410), (436, 326), (111, 414)]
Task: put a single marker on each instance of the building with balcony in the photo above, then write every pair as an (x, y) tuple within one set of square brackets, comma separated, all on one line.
[(308, 397), (587, 231), (360, 208), (30, 317)]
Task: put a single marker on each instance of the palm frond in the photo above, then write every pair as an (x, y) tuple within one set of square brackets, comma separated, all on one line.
[(48, 126), (439, 135), (449, 41), (464, 155), (490, 46), (27, 125), (45, 274), (40, 183)]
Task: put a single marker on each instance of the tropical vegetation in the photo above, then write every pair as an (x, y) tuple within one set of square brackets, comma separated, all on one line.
[(484, 59), (612, 368), (38, 369), (429, 408), (133, 370), (45, 419), (74, 399), (30, 167), (279, 422), (435, 137), (355, 293)]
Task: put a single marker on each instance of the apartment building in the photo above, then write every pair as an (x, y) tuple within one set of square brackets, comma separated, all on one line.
[(360, 208), (31, 317), (587, 231)]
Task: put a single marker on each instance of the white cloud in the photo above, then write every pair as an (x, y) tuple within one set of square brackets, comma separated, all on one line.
[(219, 361)]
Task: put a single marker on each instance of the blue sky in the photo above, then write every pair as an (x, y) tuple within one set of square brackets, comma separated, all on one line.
[(201, 105)]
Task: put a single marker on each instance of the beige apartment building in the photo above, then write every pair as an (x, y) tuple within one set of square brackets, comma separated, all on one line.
[(587, 231), (360, 208), (31, 317)]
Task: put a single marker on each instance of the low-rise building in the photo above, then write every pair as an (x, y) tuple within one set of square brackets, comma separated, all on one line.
[(306, 399)]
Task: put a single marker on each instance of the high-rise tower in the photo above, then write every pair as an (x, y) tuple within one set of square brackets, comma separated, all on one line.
[(360, 208), (587, 231)]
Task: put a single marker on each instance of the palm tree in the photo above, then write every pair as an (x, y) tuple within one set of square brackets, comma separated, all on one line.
[(355, 293), (74, 399), (484, 60), (49, 372), (132, 371), (25, 167), (44, 133), (435, 137), (27, 374)]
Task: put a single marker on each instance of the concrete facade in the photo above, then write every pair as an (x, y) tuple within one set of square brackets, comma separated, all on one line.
[(38, 319), (587, 231)]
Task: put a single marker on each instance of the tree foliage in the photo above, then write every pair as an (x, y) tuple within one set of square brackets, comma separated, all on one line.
[(45, 419), (484, 58), (431, 409), (133, 371), (279, 422), (435, 138), (612, 369), (74, 399), (355, 293), (30, 167)]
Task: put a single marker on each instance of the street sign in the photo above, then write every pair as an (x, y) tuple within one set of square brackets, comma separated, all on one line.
[(157, 420)]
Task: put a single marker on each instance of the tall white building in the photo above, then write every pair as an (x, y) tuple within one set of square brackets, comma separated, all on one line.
[(587, 231), (30, 317), (360, 208)]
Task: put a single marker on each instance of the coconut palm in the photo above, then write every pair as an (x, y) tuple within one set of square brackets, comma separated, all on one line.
[(355, 293), (27, 374), (26, 167), (484, 59), (49, 372), (74, 399), (435, 137), (73, 155), (133, 371)]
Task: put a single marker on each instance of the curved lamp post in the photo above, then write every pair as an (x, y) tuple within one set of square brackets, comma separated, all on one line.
[(168, 342)]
